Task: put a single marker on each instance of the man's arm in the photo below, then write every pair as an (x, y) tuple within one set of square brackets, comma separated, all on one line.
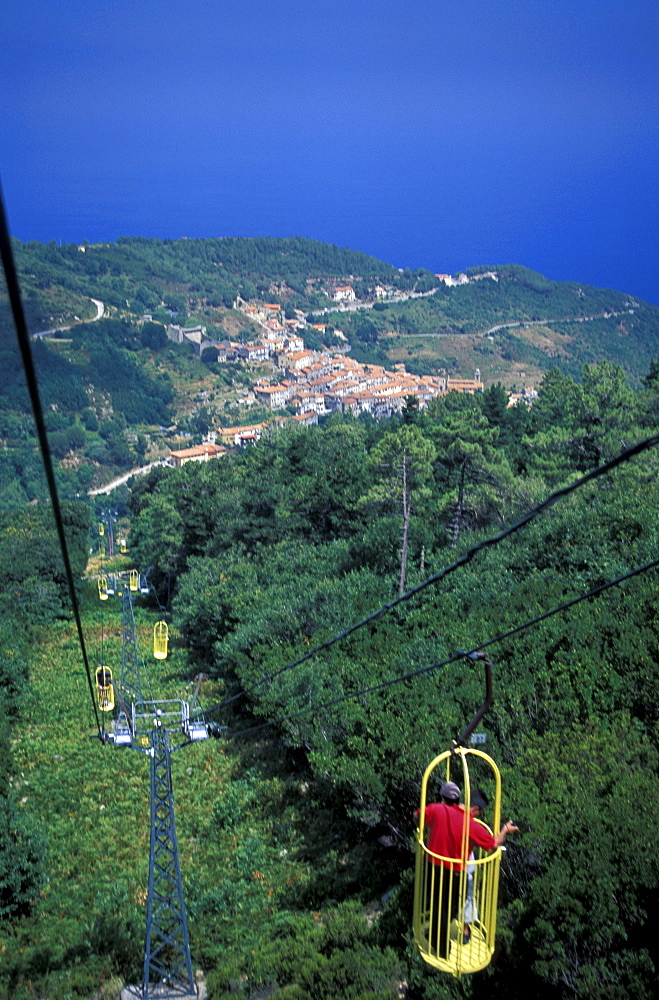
[(480, 834), (507, 828)]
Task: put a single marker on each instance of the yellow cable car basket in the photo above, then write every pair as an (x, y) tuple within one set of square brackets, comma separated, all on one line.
[(103, 587), (134, 580), (122, 545), (105, 689), (160, 640), (455, 899)]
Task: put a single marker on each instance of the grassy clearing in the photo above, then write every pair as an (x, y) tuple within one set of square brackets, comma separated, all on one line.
[(237, 825), (461, 354)]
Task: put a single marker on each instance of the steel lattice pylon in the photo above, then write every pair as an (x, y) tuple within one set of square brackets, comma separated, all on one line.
[(167, 962)]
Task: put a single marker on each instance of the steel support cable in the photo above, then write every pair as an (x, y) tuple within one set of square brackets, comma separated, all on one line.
[(595, 592), (23, 337), (601, 470)]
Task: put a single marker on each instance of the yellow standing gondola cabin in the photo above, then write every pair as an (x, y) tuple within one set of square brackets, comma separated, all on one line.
[(455, 896), (105, 689), (134, 581), (160, 640), (103, 587), (458, 856)]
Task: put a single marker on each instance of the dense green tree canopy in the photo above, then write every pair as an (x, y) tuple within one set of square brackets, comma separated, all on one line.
[(261, 557), (303, 537)]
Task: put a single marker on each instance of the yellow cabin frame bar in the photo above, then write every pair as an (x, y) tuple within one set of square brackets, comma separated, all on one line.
[(160, 640), (455, 899), (105, 689)]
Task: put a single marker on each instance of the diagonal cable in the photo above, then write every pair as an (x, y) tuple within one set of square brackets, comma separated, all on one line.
[(595, 592), (33, 389), (601, 470)]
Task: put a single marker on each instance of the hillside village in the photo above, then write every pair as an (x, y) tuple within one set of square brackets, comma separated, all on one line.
[(314, 383)]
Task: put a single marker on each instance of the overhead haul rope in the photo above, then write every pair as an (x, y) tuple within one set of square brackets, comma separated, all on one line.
[(595, 592), (33, 389), (601, 470)]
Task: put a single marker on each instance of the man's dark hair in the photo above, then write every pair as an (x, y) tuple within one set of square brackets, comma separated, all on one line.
[(479, 799)]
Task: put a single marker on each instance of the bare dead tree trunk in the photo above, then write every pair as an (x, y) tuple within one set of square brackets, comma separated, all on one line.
[(456, 525), (407, 509)]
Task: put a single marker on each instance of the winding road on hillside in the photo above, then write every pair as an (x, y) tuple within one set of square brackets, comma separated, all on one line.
[(100, 312), (525, 323), (120, 480), (142, 470)]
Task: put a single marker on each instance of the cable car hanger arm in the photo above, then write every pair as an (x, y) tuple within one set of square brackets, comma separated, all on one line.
[(485, 707)]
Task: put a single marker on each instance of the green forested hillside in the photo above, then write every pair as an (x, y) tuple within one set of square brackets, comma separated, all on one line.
[(574, 726), (296, 838), (541, 322), (140, 274), (96, 392), (111, 388), (513, 328)]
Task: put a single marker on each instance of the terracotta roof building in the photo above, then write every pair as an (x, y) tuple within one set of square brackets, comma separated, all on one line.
[(200, 453)]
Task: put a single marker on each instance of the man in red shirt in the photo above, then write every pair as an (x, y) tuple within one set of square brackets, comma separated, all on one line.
[(446, 820)]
